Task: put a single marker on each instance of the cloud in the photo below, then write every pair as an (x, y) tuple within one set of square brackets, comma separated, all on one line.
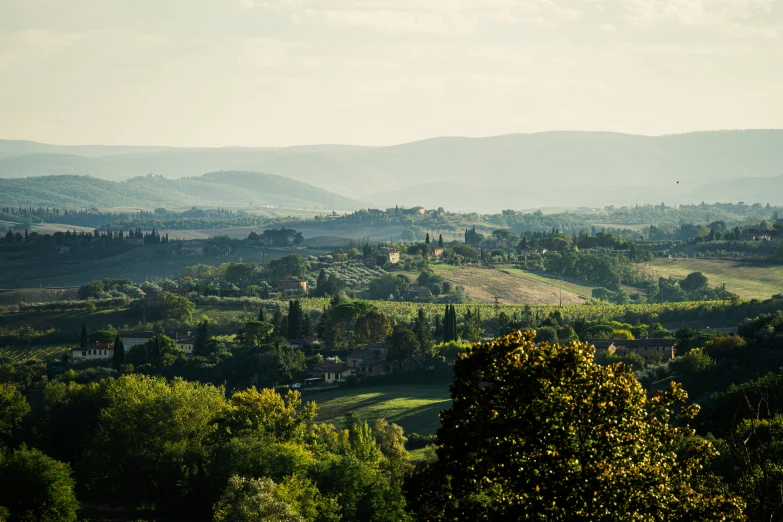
[(33, 44), (267, 52), (607, 28), (438, 17)]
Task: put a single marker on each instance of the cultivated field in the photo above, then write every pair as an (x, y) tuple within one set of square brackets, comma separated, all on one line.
[(512, 286), (34, 353), (414, 407), (748, 280)]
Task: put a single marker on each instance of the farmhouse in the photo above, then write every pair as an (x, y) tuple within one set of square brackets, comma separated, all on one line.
[(135, 339), (370, 360), (183, 292), (292, 285), (392, 254), (532, 251), (96, 351), (193, 248), (335, 372), (646, 348), (186, 344), (437, 252)]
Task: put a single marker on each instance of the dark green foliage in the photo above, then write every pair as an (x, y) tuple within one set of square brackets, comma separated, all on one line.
[(84, 339), (423, 332), (292, 265), (36, 487), (119, 353)]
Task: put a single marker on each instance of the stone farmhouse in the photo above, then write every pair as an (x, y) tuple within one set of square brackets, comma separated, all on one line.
[(646, 348)]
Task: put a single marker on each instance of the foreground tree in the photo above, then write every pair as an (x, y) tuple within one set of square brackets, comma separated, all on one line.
[(13, 407), (545, 433), (36, 487)]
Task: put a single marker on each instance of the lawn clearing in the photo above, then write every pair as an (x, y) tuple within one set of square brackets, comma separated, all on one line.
[(414, 407), (746, 279)]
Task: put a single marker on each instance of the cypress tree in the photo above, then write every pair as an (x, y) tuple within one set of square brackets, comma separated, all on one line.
[(294, 313), (427, 239), (440, 240), (262, 315), (277, 321), (84, 341), (119, 353)]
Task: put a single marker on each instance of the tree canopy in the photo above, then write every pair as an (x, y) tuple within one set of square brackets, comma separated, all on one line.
[(541, 431)]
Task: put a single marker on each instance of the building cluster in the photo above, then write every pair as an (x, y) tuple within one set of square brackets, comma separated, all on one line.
[(364, 362), (662, 349)]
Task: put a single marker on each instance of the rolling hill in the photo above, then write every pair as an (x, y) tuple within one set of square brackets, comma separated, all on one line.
[(469, 174), (227, 189)]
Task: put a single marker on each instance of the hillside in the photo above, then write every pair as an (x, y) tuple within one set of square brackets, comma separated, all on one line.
[(471, 174), (228, 189)]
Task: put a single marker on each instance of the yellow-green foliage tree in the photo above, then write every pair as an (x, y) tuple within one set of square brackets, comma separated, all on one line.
[(545, 433)]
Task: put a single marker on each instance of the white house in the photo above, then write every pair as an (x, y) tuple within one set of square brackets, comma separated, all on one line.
[(96, 351), (134, 339)]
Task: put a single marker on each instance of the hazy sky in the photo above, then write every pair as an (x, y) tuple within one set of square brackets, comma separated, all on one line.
[(266, 72)]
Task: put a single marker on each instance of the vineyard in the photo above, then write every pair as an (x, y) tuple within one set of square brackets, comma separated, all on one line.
[(34, 353), (719, 312)]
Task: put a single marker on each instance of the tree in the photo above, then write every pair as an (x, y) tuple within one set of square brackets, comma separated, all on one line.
[(203, 334), (119, 353), (389, 286), (237, 272), (84, 340), (256, 332), (34, 486), (694, 281), (423, 331), (178, 308), (440, 240), (295, 319), (372, 327), (427, 239), (608, 453), (403, 344), (292, 265), (253, 500), (13, 408)]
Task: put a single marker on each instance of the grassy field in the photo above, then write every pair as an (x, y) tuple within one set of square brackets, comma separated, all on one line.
[(512, 286), (748, 280), (414, 407)]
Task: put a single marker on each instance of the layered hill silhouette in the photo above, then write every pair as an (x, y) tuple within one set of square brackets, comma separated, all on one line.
[(226, 189), (471, 174)]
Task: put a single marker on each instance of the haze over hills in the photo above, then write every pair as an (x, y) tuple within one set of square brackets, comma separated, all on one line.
[(470, 174), (225, 189)]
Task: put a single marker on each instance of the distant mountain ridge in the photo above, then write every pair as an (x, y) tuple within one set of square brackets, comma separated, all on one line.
[(561, 168), (225, 189)]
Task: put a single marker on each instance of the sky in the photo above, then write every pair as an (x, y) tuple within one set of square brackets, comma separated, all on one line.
[(379, 72)]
